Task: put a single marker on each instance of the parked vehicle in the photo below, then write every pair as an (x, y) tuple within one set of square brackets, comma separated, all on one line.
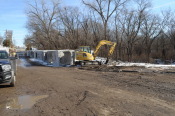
[(7, 68)]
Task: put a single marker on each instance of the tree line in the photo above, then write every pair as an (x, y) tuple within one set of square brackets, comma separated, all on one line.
[(140, 34)]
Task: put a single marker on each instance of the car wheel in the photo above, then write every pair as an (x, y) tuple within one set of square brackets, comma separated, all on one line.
[(12, 84)]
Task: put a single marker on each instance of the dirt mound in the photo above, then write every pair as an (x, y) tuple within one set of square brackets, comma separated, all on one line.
[(106, 68)]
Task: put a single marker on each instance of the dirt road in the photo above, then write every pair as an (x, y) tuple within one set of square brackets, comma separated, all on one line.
[(75, 92)]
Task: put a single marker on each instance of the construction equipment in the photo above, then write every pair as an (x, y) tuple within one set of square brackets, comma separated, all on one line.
[(84, 55), (28, 47)]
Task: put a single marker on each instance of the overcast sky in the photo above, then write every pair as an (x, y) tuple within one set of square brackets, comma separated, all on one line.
[(12, 16)]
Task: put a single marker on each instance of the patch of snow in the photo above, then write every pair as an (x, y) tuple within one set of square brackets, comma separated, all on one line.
[(146, 65), (101, 59), (41, 62), (68, 65), (49, 65), (78, 65)]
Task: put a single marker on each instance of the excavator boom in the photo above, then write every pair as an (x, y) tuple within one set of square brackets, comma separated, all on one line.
[(104, 42)]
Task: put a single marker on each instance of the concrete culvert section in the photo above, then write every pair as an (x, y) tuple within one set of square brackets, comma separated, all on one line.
[(32, 54), (35, 54), (39, 55), (49, 57), (44, 56), (66, 58), (63, 57), (28, 52)]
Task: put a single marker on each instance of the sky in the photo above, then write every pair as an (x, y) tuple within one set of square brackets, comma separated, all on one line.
[(12, 15)]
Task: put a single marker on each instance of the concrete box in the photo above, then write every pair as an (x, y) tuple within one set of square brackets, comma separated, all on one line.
[(28, 52), (44, 56), (39, 54), (31, 54), (49, 57), (35, 54), (63, 57)]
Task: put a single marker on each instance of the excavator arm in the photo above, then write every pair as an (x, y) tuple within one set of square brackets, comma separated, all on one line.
[(104, 42), (111, 50)]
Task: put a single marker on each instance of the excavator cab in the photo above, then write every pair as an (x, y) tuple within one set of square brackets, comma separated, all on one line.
[(85, 49), (84, 53)]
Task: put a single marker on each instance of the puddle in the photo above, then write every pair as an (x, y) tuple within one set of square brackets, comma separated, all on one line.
[(21, 103)]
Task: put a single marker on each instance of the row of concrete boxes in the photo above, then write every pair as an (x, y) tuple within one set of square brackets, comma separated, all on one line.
[(56, 58)]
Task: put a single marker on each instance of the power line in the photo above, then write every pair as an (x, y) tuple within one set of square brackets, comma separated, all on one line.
[(161, 5), (2, 26), (3, 22)]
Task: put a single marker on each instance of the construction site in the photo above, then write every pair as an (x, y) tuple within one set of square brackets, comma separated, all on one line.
[(87, 58), (57, 83)]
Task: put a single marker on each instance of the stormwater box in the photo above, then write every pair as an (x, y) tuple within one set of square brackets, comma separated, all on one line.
[(63, 57), (27, 52), (35, 54), (44, 55), (39, 55), (49, 57), (31, 54)]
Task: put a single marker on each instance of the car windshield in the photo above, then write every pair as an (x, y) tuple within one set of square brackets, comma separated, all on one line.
[(3, 55)]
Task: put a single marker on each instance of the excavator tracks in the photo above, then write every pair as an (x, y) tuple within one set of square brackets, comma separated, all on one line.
[(88, 63)]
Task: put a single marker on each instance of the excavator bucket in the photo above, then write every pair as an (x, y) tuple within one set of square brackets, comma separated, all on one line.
[(107, 61)]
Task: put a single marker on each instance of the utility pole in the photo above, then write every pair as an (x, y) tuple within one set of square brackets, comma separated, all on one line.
[(11, 39), (6, 37), (6, 33)]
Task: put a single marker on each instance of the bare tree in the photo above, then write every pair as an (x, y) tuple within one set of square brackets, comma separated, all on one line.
[(96, 28), (69, 17), (105, 8), (165, 41), (151, 29), (131, 21), (169, 15), (8, 34), (42, 17), (135, 29)]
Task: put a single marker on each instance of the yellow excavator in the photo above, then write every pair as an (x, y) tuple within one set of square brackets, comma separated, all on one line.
[(84, 55), (28, 47)]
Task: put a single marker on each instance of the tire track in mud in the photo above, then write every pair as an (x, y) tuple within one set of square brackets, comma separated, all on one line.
[(84, 97)]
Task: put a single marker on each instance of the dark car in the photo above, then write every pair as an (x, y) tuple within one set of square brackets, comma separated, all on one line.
[(7, 69)]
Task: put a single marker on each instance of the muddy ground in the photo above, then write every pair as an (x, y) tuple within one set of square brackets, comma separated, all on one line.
[(90, 91)]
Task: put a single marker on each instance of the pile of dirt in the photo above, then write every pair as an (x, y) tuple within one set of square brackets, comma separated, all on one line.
[(105, 68)]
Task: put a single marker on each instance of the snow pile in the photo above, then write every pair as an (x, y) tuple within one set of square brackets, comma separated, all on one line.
[(46, 64), (101, 59), (41, 62), (146, 65)]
